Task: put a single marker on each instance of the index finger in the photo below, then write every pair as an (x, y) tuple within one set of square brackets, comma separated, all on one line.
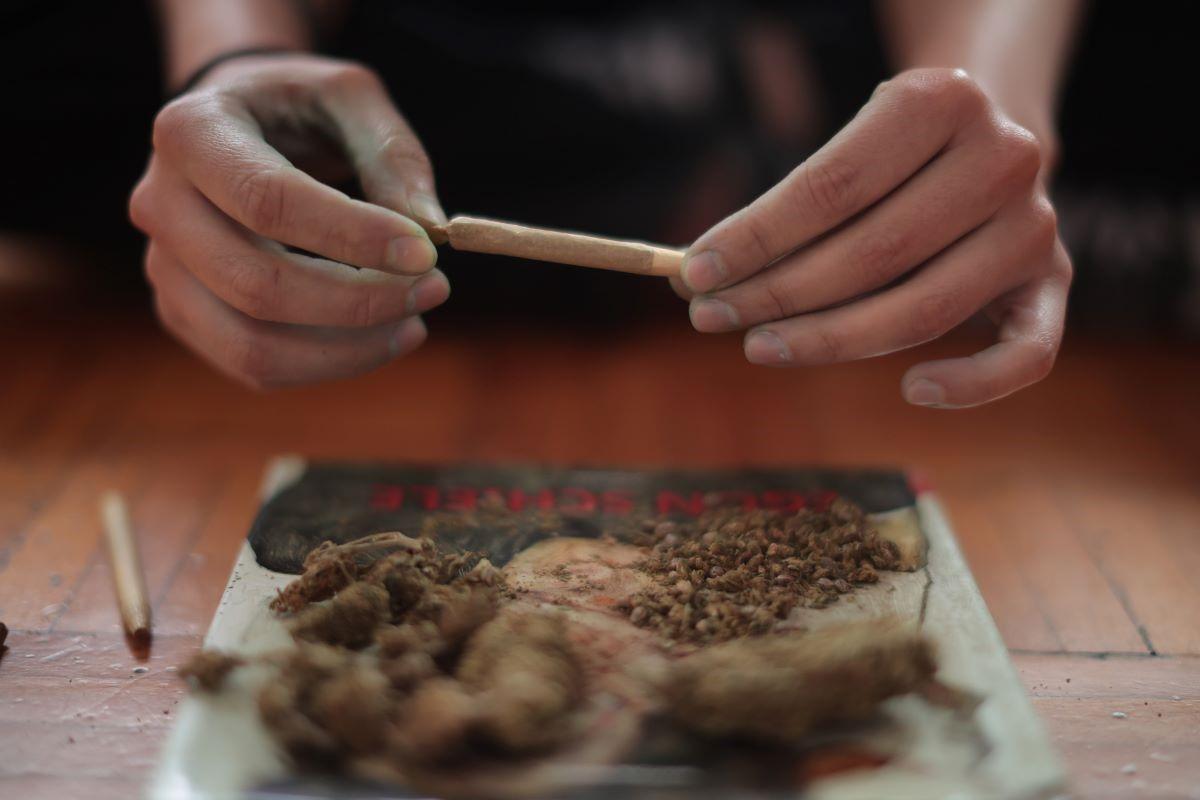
[(900, 129), (391, 163), (217, 144)]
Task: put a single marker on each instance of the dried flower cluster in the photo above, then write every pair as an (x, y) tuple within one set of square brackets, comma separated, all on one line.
[(732, 573), (404, 656), (330, 567)]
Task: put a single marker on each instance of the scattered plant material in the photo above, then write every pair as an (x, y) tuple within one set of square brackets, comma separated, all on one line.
[(733, 573), (208, 669), (415, 662)]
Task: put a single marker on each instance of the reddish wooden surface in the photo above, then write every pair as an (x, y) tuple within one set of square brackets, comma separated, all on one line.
[(1076, 502)]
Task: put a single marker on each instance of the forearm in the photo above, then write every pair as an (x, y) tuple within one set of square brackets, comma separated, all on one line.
[(1015, 49), (194, 32)]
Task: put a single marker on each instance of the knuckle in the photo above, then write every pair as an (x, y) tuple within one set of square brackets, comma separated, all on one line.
[(174, 121), (778, 300), (402, 152), (1018, 154), (261, 199), (943, 89), (169, 122), (361, 311), (757, 239), (829, 346), (141, 206), (829, 185), (152, 266), (352, 75), (1043, 224), (338, 244), (935, 314), (253, 287), (874, 258), (1063, 269)]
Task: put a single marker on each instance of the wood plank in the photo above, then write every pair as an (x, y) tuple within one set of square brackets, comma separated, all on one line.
[(167, 514), (60, 544), (57, 787), (200, 576), (1128, 532), (1071, 594), (1023, 621), (1148, 753)]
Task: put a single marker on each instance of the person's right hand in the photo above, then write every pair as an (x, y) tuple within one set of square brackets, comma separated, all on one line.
[(234, 178)]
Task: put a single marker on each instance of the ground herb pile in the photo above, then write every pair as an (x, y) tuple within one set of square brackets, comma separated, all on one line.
[(418, 664), (731, 573)]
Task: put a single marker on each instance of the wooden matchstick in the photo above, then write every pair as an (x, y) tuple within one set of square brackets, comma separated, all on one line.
[(126, 565), (479, 235)]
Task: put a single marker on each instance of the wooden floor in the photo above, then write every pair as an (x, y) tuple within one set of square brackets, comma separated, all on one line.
[(1077, 504)]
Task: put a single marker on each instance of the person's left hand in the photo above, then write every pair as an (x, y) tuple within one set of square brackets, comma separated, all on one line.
[(927, 207)]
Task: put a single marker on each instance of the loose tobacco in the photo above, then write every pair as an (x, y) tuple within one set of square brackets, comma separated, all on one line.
[(733, 573)]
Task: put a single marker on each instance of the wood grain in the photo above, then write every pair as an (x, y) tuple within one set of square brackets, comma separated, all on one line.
[(1075, 503)]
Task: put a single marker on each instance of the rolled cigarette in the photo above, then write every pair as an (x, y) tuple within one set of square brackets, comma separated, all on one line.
[(128, 578), (479, 235)]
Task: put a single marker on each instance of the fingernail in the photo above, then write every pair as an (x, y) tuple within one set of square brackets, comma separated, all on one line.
[(411, 254), (429, 291), (924, 392), (710, 315), (407, 337), (426, 210), (704, 271), (765, 347)]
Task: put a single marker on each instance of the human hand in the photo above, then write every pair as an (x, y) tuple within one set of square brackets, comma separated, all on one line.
[(235, 180), (927, 207)]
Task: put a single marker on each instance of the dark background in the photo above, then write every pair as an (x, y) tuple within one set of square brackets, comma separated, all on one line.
[(82, 83)]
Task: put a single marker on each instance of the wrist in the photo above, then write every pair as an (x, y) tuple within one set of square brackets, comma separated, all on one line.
[(208, 67), (195, 33)]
